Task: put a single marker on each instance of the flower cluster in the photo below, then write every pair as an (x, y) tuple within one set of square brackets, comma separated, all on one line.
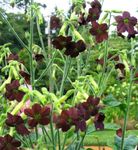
[(78, 115), (17, 122), (12, 91), (126, 23), (94, 11), (72, 48), (99, 31), (9, 143), (38, 115)]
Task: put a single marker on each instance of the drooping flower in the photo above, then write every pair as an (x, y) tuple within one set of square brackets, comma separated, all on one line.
[(17, 122), (99, 31), (12, 91), (39, 57), (82, 20), (55, 22), (119, 132), (12, 57), (61, 42), (126, 23), (38, 115), (9, 143), (98, 121), (26, 76)]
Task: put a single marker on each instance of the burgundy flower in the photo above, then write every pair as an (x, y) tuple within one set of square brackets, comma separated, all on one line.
[(26, 76), (73, 49), (38, 115), (39, 57), (98, 122), (61, 42), (126, 23), (99, 31), (66, 119), (12, 57), (94, 14), (55, 22), (119, 132), (12, 92), (17, 122), (9, 143), (82, 20), (96, 4), (120, 66)]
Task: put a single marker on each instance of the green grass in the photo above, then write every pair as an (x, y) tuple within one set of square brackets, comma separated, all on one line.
[(104, 137)]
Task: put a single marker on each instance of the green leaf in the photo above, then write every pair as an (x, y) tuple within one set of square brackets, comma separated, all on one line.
[(111, 101)]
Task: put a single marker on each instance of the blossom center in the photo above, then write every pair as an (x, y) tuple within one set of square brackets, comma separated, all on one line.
[(37, 117), (126, 21)]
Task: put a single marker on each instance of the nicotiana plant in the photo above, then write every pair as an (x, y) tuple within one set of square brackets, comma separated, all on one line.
[(58, 114)]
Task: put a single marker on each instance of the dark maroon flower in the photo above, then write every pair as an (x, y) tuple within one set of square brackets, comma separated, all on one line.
[(82, 20), (26, 76), (61, 42), (98, 121), (93, 15), (93, 101), (12, 57), (96, 4), (17, 122), (12, 92), (9, 143), (66, 119), (119, 132), (39, 57), (38, 115), (120, 66), (126, 23), (73, 49), (55, 22), (99, 31)]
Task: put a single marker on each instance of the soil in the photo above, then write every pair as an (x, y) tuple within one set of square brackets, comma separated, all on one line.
[(99, 147)]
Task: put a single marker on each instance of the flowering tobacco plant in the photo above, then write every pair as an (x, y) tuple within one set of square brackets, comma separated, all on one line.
[(126, 23), (12, 91), (17, 122), (53, 101), (38, 115), (71, 48), (99, 31), (9, 143)]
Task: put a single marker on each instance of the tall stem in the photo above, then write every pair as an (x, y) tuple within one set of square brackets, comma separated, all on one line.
[(41, 38), (127, 108), (31, 45), (65, 74)]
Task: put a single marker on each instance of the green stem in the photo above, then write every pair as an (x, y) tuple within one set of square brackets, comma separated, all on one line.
[(52, 130), (31, 144), (59, 142), (127, 108), (64, 142), (81, 142), (105, 63), (65, 74), (31, 45), (47, 134), (45, 71), (36, 132), (40, 37)]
